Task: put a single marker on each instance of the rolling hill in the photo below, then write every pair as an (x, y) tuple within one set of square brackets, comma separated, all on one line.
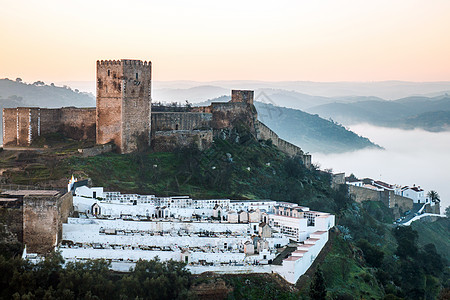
[(428, 113)]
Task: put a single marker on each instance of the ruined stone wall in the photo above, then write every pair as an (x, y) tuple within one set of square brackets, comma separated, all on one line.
[(230, 115), (50, 120), (65, 209), (43, 216), (97, 150), (170, 140), (78, 123), (9, 126), (398, 204), (164, 121), (40, 223), (24, 124), (202, 109), (265, 133), (245, 96), (361, 194), (337, 179), (11, 217)]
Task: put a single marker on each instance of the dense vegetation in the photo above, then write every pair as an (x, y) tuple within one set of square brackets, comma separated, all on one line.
[(244, 170), (48, 279)]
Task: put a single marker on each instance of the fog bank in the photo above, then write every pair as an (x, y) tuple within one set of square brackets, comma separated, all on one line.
[(410, 157)]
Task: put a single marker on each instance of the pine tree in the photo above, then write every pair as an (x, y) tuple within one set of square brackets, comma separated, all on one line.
[(317, 289)]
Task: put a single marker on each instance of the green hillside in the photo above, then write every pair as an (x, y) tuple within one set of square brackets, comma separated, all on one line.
[(367, 256), (310, 132)]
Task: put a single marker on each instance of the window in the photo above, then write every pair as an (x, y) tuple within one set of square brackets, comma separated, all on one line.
[(137, 76), (109, 72)]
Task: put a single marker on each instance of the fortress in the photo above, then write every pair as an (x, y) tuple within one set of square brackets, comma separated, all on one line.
[(123, 116)]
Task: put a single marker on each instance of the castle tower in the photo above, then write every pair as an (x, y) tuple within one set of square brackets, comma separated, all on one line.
[(245, 96), (124, 103)]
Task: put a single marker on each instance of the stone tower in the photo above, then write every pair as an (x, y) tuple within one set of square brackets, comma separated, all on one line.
[(124, 103)]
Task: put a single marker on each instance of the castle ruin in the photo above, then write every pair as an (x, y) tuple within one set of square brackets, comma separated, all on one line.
[(123, 116)]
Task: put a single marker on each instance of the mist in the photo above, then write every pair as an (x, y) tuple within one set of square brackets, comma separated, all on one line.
[(410, 157)]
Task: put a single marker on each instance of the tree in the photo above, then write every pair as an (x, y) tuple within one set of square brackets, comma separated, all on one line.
[(18, 79), (407, 241), (373, 256), (317, 288), (434, 196), (447, 211)]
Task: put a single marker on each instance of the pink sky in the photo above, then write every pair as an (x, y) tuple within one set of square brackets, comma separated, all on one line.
[(329, 40)]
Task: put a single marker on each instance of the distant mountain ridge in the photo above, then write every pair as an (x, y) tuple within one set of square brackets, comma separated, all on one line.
[(42, 95), (428, 113)]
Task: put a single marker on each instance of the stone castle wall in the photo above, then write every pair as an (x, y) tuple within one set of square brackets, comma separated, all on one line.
[(232, 114), (49, 120), (174, 139), (9, 126), (40, 223), (43, 216), (361, 194), (22, 125), (78, 123), (265, 133), (11, 217), (397, 203), (164, 121), (243, 96)]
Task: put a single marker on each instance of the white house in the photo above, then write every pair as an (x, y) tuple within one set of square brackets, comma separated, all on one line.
[(415, 193), (84, 191)]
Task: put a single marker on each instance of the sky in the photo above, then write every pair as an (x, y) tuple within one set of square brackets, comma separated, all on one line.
[(321, 40)]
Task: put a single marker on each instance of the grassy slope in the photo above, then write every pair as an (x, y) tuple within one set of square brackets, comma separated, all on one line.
[(437, 232), (227, 170)]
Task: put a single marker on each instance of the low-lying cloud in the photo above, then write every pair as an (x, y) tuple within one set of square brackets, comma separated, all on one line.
[(410, 157)]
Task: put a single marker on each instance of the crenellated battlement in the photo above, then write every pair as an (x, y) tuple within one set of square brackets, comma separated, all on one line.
[(124, 62)]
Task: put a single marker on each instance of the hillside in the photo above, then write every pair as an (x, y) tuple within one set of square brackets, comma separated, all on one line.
[(43, 95), (310, 132), (429, 113), (367, 256)]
